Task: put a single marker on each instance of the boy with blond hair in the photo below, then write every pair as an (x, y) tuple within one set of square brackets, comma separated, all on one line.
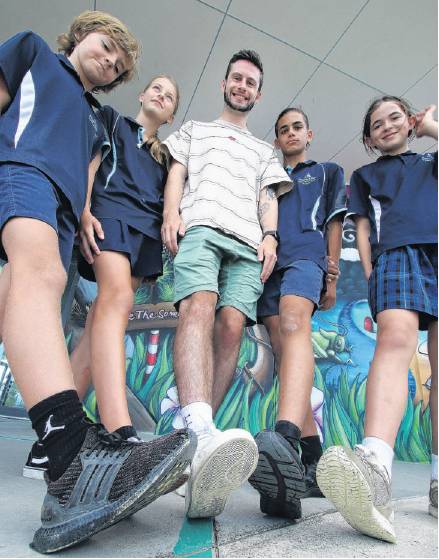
[(50, 148)]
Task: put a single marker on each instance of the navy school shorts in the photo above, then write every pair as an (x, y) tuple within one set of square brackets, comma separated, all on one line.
[(303, 278), (406, 278), (25, 191), (144, 253)]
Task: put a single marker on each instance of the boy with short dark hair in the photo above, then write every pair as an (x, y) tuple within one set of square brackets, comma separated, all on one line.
[(310, 226), (50, 143)]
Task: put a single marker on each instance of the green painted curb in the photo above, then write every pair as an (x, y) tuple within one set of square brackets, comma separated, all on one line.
[(195, 539)]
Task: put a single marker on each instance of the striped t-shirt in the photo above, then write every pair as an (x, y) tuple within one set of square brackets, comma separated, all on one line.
[(227, 168)]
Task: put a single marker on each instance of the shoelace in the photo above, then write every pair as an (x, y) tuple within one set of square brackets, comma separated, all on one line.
[(110, 441)]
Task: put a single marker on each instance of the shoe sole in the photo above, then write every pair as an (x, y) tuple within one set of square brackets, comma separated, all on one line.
[(223, 471), (343, 483), (34, 473), (278, 478), (165, 478)]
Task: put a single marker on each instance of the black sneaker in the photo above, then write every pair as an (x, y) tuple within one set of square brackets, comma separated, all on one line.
[(37, 462), (279, 476), (312, 488), (108, 480)]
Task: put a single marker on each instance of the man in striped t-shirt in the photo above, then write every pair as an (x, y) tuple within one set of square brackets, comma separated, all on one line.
[(220, 222)]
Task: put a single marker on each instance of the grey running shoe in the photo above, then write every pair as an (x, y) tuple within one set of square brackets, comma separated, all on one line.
[(37, 462), (432, 506), (223, 461), (279, 476), (359, 487), (108, 480)]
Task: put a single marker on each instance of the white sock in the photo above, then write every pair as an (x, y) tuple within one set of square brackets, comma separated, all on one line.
[(198, 416), (383, 451), (434, 466)]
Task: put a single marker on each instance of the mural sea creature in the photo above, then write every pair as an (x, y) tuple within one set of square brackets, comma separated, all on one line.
[(329, 344)]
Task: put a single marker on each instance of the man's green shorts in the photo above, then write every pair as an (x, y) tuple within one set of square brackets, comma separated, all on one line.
[(209, 260)]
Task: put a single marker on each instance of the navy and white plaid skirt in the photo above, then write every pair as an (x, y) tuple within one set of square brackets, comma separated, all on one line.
[(406, 278)]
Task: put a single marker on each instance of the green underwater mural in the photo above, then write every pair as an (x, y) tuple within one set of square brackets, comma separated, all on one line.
[(343, 341)]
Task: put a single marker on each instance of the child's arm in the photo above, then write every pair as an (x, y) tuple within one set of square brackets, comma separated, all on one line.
[(334, 233), (425, 123), (89, 224), (267, 212), (5, 98), (363, 243), (172, 223)]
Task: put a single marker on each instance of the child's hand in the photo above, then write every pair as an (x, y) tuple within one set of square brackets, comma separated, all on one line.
[(89, 226), (328, 298), (333, 272), (425, 124)]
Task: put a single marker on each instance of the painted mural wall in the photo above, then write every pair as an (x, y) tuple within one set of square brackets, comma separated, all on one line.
[(343, 340)]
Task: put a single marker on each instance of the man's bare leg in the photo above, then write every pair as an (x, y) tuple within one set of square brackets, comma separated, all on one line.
[(228, 329), (193, 348), (193, 366)]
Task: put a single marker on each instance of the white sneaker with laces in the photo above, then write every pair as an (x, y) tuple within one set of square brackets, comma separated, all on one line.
[(359, 486), (223, 461)]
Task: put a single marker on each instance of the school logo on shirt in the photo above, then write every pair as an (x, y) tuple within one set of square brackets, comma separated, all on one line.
[(307, 179), (427, 157), (93, 122)]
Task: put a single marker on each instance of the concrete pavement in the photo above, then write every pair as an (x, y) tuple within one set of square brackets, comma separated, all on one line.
[(161, 530)]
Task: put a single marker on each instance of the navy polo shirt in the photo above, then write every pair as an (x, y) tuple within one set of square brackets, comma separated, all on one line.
[(398, 193), (318, 194), (50, 122), (130, 182)]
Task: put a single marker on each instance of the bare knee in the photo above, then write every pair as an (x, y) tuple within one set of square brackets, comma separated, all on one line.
[(119, 299), (199, 307), (228, 330), (292, 323), (46, 277), (400, 337)]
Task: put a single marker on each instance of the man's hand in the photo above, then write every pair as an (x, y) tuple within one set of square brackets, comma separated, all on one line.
[(172, 226), (328, 299), (89, 226), (267, 255), (333, 272)]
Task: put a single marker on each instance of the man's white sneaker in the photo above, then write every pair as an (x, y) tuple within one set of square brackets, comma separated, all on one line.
[(359, 487), (222, 462)]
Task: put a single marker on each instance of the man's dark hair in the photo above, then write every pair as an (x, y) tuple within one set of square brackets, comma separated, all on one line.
[(252, 57), (290, 110)]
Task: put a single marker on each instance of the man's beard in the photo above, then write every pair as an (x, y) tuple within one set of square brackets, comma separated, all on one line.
[(243, 109)]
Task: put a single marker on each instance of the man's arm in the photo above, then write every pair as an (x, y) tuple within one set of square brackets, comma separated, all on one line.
[(172, 222), (89, 224), (334, 233), (267, 212), (363, 244), (5, 98)]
